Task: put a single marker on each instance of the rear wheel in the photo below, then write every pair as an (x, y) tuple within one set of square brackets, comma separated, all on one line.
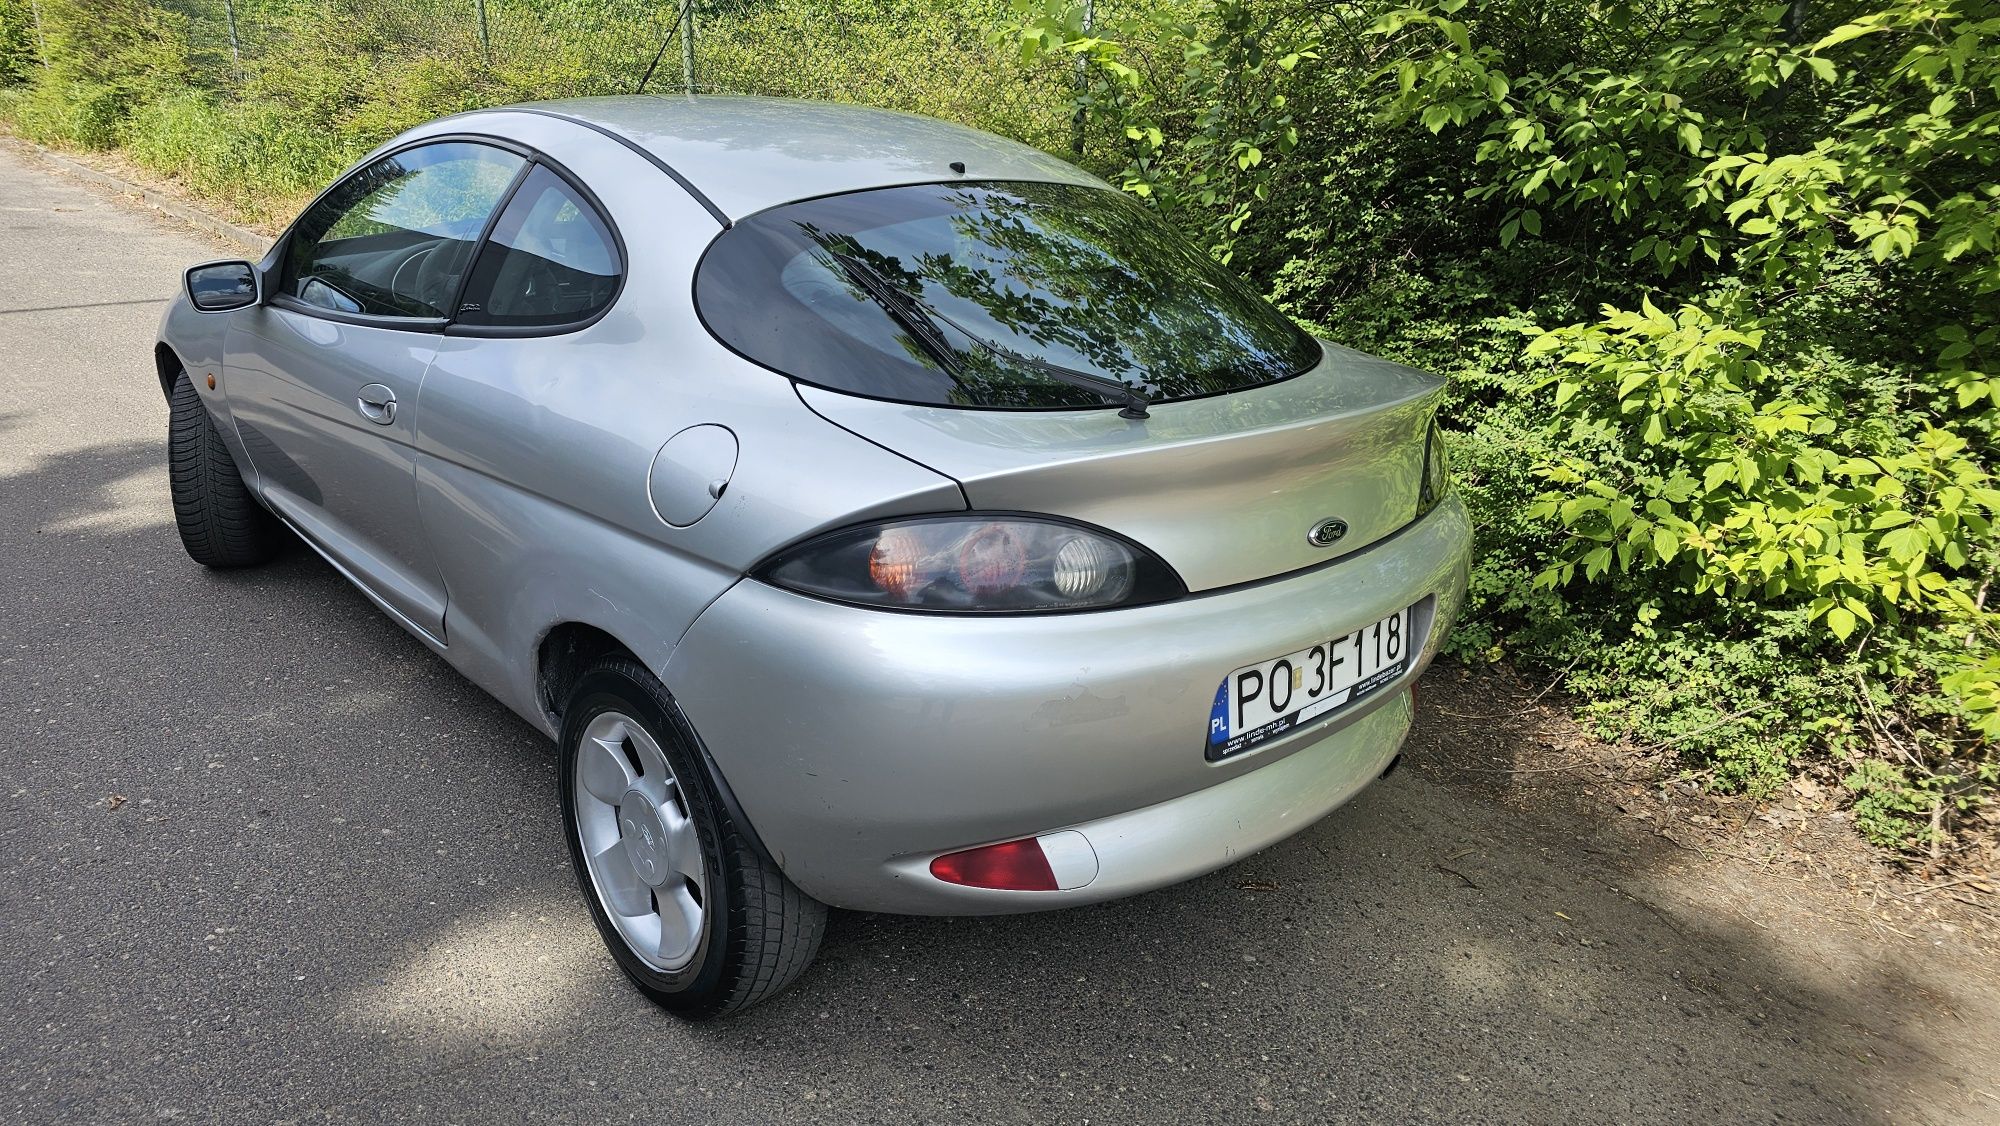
[(693, 914), (221, 524)]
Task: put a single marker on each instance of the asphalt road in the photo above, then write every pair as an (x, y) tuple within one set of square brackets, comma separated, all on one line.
[(263, 858)]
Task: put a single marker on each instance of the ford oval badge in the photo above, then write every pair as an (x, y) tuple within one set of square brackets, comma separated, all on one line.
[(1327, 532)]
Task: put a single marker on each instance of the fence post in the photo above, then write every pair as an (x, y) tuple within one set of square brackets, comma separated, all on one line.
[(1077, 119), (687, 46), (235, 51), (41, 40), (485, 43)]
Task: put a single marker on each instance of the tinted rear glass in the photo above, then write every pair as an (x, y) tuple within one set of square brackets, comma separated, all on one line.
[(1014, 295)]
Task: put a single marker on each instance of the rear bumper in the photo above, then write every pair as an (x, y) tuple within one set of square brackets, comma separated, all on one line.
[(862, 743)]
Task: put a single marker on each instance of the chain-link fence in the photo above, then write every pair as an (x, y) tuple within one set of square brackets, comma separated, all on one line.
[(799, 48), (256, 102), (226, 39)]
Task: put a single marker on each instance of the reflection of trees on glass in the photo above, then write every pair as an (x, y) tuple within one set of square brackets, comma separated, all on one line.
[(392, 239), (1009, 281), (1096, 278), (979, 374), (451, 196)]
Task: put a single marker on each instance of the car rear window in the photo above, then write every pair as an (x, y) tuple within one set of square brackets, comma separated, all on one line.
[(1000, 295)]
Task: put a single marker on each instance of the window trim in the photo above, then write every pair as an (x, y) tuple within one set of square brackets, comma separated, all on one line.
[(271, 269), (486, 232)]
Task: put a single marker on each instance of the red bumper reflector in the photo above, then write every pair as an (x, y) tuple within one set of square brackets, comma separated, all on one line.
[(1008, 866)]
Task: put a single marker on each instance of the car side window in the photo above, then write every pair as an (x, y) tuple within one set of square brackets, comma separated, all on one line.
[(393, 240), (551, 260)]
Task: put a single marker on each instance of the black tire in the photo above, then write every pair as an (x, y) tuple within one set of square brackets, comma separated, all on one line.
[(759, 930), (221, 524)]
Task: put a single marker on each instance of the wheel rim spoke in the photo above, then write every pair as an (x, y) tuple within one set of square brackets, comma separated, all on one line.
[(602, 770), (683, 845), (680, 924), (624, 893), (655, 776)]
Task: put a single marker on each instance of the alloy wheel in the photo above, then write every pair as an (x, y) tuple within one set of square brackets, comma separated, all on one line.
[(639, 844)]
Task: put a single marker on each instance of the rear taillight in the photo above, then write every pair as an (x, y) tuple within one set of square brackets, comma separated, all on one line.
[(975, 564)]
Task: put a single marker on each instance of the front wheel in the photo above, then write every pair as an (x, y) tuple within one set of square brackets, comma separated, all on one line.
[(221, 524), (693, 914)]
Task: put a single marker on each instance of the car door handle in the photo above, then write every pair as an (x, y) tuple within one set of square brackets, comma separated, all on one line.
[(377, 404)]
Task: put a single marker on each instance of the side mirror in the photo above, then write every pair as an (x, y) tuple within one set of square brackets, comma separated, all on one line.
[(217, 287)]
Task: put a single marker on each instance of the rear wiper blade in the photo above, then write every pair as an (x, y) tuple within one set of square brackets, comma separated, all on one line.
[(921, 321), (906, 312), (1134, 401)]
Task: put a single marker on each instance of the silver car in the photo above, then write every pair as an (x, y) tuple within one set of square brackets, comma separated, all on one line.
[(878, 513)]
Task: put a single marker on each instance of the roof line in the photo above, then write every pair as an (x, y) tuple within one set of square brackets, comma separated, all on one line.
[(649, 155)]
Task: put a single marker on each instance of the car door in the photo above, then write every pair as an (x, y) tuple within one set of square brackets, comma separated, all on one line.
[(323, 378)]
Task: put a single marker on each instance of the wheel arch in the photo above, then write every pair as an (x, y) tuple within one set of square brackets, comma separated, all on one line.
[(562, 656), (569, 649), (169, 366)]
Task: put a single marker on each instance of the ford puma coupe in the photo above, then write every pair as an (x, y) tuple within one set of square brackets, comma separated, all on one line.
[(878, 513)]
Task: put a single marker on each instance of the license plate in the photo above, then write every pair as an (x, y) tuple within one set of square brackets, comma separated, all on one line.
[(1263, 701)]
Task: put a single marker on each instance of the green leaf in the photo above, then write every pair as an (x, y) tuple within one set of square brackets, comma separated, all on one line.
[(1717, 472), (1665, 544), (1845, 32), (1575, 508), (1906, 543), (1840, 621)]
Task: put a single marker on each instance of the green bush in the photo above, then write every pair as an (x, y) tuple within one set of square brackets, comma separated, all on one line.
[(253, 156), (105, 58), (86, 114), (321, 83), (1715, 288), (20, 54)]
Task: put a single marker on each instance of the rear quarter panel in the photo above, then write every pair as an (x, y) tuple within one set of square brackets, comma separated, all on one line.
[(534, 452)]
